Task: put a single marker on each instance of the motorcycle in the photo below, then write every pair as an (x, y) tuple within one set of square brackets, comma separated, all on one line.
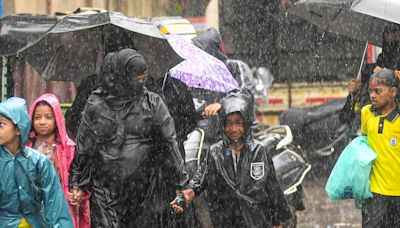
[(290, 165), (319, 132)]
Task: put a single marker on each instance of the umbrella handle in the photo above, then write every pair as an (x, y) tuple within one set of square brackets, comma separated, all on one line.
[(362, 61), (164, 81)]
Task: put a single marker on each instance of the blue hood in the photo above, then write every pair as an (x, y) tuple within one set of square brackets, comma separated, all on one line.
[(15, 109)]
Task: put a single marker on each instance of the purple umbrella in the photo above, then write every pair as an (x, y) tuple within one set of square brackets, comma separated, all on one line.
[(199, 69)]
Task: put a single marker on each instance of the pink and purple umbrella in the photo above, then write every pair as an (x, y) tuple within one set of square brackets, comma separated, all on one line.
[(199, 69)]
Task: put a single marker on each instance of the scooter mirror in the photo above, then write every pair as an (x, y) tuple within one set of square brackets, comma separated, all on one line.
[(282, 130)]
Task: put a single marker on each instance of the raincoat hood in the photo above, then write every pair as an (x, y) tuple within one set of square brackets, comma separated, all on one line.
[(210, 41), (60, 121), (232, 103), (15, 109), (129, 65)]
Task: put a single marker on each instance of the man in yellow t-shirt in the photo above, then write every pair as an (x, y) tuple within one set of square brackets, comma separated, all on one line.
[(380, 122)]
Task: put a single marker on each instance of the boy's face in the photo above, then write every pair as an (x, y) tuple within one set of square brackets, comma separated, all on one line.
[(9, 133), (44, 121), (380, 94), (234, 127)]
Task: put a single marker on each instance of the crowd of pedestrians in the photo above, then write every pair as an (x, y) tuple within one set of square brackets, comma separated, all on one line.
[(125, 166)]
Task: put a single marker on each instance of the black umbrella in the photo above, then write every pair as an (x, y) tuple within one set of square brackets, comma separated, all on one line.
[(74, 48), (364, 20), (16, 31)]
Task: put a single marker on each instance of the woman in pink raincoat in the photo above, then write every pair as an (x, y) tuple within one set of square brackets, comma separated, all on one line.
[(49, 136)]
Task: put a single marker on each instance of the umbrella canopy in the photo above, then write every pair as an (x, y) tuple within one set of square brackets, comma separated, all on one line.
[(199, 69), (75, 47), (16, 31), (363, 20)]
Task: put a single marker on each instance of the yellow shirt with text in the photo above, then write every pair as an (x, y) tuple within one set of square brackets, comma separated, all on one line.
[(385, 175)]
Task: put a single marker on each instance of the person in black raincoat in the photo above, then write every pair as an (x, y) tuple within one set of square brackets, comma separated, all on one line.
[(239, 176), (210, 41), (180, 104), (113, 42), (117, 160)]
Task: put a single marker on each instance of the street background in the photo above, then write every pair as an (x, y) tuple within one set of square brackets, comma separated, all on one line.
[(322, 212), (309, 70)]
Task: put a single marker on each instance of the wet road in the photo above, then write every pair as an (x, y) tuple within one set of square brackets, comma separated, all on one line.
[(321, 212)]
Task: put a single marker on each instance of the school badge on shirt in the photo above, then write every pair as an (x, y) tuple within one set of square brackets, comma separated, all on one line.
[(257, 170), (393, 141)]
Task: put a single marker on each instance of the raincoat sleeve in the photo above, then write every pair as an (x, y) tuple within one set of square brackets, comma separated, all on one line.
[(200, 178), (81, 168), (346, 115), (167, 131), (57, 213), (280, 207)]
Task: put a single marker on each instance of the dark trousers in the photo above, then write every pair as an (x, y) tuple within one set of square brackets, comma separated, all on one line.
[(381, 211)]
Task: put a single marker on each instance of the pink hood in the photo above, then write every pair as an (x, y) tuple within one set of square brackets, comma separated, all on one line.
[(65, 153), (60, 121)]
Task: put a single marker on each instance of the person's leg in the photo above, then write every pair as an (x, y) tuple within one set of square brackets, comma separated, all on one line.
[(375, 212), (394, 215)]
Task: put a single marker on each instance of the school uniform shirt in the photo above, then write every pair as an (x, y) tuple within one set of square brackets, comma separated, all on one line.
[(383, 134)]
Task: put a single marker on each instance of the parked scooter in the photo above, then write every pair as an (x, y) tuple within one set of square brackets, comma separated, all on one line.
[(319, 132), (290, 165)]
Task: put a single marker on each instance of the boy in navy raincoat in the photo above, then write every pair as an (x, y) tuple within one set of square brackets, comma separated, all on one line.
[(238, 174)]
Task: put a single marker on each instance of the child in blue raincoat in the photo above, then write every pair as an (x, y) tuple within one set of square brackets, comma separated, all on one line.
[(30, 192)]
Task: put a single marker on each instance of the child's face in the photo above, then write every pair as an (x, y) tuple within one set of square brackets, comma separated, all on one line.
[(380, 94), (9, 133), (234, 127), (44, 121)]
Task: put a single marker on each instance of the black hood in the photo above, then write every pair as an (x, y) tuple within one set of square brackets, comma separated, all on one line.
[(233, 103), (118, 71), (130, 63), (210, 41)]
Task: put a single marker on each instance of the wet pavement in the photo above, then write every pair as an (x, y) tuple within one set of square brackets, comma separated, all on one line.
[(321, 212)]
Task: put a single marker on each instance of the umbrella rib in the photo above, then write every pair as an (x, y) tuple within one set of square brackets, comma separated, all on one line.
[(334, 18), (354, 4)]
